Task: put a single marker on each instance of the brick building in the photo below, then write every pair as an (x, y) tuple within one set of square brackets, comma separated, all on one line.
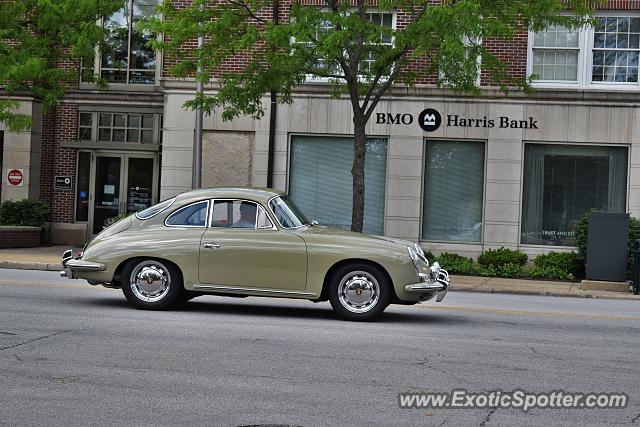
[(457, 173)]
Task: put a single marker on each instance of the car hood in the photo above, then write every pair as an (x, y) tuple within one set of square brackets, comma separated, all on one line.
[(338, 232)]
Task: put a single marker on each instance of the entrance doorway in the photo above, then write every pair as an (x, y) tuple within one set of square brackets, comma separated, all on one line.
[(119, 184)]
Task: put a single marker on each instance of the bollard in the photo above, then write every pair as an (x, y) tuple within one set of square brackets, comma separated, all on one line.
[(635, 252)]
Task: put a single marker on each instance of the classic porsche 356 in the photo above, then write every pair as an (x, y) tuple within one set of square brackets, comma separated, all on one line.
[(252, 242)]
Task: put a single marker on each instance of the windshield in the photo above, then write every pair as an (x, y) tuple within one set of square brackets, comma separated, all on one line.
[(287, 213)]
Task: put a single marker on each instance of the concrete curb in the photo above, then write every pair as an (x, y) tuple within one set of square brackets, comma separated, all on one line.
[(23, 265), (610, 295)]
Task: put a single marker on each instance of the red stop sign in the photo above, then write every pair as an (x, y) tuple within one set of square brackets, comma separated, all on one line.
[(15, 177)]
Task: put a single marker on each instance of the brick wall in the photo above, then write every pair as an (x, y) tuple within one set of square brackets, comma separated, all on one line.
[(59, 125), (513, 53), (19, 237)]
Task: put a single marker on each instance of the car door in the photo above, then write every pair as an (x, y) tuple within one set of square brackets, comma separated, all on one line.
[(242, 248)]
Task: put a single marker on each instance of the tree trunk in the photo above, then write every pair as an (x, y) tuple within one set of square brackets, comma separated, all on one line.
[(357, 171)]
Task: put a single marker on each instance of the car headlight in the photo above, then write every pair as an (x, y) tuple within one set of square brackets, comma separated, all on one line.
[(420, 262)]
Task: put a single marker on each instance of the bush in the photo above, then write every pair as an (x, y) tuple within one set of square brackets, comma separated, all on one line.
[(581, 230), (455, 263), (23, 212), (499, 258), (551, 272), (112, 220), (429, 256), (505, 270), (555, 263)]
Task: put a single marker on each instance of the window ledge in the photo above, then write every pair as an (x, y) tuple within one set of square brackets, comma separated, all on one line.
[(131, 146)]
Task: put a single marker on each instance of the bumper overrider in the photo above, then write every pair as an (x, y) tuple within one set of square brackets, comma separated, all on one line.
[(427, 289), (70, 265)]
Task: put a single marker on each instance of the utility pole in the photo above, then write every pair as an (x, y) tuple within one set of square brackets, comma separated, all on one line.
[(196, 181)]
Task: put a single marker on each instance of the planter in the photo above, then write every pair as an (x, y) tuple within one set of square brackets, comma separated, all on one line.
[(19, 236)]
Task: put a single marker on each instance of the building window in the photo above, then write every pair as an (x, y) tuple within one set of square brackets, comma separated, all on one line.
[(369, 54), (555, 54), (616, 45), (386, 40), (126, 58), (606, 54), (453, 191), (320, 180), (563, 182), (119, 127)]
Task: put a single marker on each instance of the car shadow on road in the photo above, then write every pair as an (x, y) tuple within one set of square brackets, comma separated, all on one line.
[(243, 307)]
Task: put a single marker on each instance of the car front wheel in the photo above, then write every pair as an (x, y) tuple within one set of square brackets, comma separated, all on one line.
[(359, 292), (151, 284)]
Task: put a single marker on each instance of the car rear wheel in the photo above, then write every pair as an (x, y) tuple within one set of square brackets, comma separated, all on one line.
[(151, 284), (359, 292)]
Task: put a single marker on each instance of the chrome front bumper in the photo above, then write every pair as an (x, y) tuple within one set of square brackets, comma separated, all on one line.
[(71, 264), (440, 286)]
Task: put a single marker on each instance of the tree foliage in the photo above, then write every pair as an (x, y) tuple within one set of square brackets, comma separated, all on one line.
[(37, 37), (337, 41)]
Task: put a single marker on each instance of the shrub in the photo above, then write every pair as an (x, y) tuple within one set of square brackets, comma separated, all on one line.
[(557, 262), (551, 272), (581, 230), (497, 258), (112, 220), (23, 212), (505, 270), (429, 256), (455, 263)]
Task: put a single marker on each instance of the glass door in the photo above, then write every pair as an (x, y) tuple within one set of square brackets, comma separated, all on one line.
[(120, 184), (139, 183), (107, 201)]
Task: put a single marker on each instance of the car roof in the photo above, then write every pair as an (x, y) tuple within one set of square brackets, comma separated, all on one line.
[(261, 195)]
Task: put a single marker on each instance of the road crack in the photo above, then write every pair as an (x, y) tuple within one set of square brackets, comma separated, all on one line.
[(488, 417), (536, 352), (35, 339)]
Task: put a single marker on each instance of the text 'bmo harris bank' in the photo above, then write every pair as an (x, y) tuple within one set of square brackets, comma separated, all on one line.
[(430, 120)]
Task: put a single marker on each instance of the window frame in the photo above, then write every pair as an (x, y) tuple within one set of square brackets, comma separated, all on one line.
[(156, 139), (206, 219), (311, 78), (226, 199), (522, 189), (290, 143), (97, 63), (585, 60), (485, 146)]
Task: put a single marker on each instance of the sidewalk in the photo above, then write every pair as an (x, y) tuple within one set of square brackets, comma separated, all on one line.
[(40, 258), (48, 258)]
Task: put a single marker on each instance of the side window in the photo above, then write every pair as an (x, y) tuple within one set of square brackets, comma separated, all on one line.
[(234, 214), (194, 215)]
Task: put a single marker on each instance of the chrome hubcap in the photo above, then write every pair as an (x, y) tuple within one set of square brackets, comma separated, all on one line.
[(150, 281), (358, 291)]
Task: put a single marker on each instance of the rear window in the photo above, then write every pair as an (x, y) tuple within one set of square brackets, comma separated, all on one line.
[(155, 209)]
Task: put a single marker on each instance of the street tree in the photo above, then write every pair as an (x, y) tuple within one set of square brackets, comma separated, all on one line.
[(360, 57), (41, 43)]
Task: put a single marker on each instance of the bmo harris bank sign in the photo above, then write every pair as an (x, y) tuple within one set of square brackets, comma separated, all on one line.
[(431, 119)]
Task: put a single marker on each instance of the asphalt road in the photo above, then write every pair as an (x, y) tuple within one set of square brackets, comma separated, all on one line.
[(72, 354)]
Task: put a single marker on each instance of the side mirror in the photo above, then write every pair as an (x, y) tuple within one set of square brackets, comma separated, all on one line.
[(314, 222)]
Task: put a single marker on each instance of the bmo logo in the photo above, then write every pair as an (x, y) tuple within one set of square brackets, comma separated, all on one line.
[(429, 120)]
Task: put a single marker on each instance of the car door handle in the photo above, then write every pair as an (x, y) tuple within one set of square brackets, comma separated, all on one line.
[(211, 245)]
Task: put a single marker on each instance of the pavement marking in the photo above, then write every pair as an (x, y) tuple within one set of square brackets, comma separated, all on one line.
[(507, 312)]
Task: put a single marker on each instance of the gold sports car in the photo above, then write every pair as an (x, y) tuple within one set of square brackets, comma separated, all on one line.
[(252, 242)]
